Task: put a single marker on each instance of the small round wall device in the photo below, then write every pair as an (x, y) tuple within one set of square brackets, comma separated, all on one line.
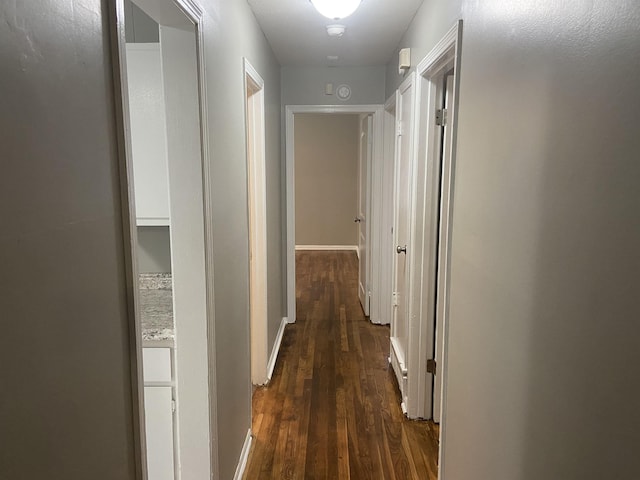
[(343, 92)]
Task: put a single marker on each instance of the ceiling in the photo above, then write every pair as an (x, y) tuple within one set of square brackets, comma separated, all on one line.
[(297, 32)]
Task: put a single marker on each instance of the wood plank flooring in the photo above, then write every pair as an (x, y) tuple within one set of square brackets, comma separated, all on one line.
[(332, 408)]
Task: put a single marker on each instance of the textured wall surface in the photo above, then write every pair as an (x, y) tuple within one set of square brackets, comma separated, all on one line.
[(66, 403), (544, 274), (154, 250), (231, 33), (63, 271), (326, 157), (306, 85)]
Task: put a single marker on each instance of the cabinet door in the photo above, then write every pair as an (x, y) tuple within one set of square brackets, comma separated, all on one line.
[(148, 133), (159, 429), (156, 365)]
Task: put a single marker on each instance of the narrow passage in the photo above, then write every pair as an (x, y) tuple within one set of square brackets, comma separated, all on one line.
[(332, 408)]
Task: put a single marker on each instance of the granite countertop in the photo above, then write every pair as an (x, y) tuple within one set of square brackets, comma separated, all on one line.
[(156, 307)]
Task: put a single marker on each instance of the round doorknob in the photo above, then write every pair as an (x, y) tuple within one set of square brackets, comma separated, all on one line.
[(400, 249), (357, 219)]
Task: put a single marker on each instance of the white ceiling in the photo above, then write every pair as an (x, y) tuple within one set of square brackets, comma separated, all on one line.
[(297, 32)]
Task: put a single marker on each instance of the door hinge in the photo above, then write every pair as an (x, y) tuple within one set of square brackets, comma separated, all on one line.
[(395, 299), (431, 366), (399, 129), (173, 406), (441, 117)]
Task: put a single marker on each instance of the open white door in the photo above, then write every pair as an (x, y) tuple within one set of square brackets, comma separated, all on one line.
[(432, 213), (402, 233), (362, 218), (443, 242), (386, 248)]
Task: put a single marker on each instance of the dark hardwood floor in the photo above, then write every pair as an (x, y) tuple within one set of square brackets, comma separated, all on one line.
[(332, 408)]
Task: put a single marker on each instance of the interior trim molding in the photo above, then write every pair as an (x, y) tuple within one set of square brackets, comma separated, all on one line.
[(276, 349), (327, 247), (244, 456), (290, 112)]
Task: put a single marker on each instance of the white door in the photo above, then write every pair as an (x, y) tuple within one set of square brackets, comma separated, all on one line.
[(386, 253), (402, 233), (443, 241), (362, 218)]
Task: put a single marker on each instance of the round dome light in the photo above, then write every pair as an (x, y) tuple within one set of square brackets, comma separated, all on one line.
[(336, 9)]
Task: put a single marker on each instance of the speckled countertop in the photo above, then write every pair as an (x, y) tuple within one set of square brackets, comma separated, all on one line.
[(156, 307)]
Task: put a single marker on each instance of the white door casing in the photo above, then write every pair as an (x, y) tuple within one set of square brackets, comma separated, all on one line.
[(426, 274), (188, 257), (189, 15), (435, 147), (362, 216), (257, 191), (403, 206), (376, 158)]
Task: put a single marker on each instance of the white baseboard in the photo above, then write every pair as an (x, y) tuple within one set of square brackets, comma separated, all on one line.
[(327, 247), (276, 349), (244, 456), (399, 368)]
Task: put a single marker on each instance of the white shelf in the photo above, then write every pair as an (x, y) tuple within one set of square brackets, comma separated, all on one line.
[(152, 222)]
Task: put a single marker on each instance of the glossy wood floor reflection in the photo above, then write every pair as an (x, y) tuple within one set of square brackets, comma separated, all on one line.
[(332, 410)]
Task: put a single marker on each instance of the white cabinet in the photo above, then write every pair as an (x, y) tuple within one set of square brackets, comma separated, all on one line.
[(156, 365), (148, 133), (159, 413)]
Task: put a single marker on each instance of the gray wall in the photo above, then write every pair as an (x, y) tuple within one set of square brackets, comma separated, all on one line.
[(154, 250), (326, 170), (305, 85), (231, 33), (66, 406), (543, 353), (429, 25)]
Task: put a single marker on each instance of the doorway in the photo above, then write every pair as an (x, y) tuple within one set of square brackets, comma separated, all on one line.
[(256, 188), (371, 118), (436, 100), (159, 63)]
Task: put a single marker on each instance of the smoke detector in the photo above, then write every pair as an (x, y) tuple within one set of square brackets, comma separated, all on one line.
[(336, 30)]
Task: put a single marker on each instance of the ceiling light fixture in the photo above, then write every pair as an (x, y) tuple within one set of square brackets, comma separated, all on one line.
[(336, 9)]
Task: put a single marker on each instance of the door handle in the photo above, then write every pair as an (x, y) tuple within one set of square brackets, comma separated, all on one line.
[(357, 219), (400, 249)]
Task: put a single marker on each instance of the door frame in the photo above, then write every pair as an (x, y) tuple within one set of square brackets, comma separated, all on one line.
[(442, 58), (257, 193), (374, 203), (195, 13)]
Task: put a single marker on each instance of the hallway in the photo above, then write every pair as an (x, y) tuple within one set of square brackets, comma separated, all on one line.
[(332, 408)]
